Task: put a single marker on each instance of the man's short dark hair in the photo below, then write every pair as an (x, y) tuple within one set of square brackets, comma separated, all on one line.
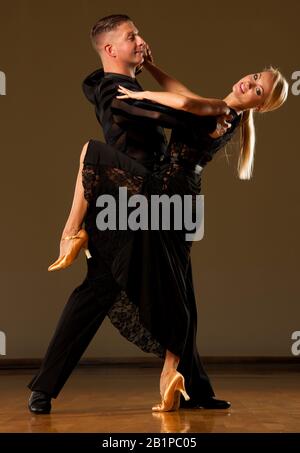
[(106, 24)]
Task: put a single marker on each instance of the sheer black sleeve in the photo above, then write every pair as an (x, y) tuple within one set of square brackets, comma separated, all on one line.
[(145, 111), (128, 111)]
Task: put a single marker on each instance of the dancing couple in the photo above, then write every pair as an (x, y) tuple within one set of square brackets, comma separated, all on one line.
[(142, 280)]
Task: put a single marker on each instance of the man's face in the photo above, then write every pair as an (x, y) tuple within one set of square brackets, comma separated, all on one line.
[(127, 44)]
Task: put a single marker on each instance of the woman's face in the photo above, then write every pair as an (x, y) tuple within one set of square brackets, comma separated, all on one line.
[(252, 90)]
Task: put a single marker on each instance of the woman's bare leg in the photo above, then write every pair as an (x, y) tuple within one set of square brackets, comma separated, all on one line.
[(170, 365), (78, 209)]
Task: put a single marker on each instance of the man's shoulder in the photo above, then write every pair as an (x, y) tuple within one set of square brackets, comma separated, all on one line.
[(114, 80), (108, 87)]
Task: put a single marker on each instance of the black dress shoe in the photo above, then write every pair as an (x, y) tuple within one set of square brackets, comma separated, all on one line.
[(39, 403), (207, 403)]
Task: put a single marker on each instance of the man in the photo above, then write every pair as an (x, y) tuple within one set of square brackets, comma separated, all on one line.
[(141, 137)]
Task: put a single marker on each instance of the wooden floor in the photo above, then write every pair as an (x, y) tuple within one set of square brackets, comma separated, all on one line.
[(115, 399)]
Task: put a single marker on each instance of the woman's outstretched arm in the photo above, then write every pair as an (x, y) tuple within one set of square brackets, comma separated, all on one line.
[(198, 105)]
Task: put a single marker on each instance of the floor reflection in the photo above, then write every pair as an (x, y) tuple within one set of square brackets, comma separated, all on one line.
[(189, 421), (41, 423)]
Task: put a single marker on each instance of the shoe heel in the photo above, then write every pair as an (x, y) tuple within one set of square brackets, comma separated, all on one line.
[(87, 253), (181, 388), (86, 250), (185, 395)]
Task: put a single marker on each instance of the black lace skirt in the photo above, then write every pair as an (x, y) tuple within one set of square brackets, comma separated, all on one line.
[(150, 266)]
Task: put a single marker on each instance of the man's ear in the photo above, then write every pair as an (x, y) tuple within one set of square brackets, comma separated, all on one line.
[(110, 50)]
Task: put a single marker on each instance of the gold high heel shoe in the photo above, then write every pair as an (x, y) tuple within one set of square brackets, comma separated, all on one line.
[(80, 240), (171, 397)]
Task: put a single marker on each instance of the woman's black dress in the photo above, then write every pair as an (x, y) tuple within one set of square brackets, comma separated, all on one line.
[(156, 303)]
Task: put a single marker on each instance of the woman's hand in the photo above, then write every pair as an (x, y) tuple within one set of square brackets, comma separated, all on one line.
[(128, 94), (222, 126), (148, 58)]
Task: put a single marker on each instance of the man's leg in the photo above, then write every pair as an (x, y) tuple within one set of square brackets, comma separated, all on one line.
[(82, 316), (197, 382)]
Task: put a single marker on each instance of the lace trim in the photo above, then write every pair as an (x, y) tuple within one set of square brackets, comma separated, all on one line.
[(172, 170), (109, 182), (181, 151), (124, 315), (123, 178), (90, 180)]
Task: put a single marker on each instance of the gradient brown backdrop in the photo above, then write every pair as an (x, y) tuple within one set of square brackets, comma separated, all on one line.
[(246, 269)]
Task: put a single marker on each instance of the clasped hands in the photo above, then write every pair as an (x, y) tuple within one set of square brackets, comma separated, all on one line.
[(223, 124)]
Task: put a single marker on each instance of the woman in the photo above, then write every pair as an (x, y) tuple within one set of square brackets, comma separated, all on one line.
[(157, 316)]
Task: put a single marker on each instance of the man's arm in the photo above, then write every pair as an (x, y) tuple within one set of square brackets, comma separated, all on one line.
[(135, 111), (145, 112)]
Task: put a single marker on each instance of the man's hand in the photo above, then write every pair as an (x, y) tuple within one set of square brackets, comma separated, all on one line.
[(222, 126)]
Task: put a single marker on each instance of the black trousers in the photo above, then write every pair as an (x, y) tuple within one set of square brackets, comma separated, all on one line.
[(82, 316), (197, 383)]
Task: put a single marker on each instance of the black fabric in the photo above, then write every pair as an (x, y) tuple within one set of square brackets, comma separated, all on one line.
[(81, 317), (153, 268), (140, 140), (150, 167), (150, 266), (132, 126), (192, 144)]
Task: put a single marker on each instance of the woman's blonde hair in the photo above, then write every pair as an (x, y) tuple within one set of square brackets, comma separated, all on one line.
[(275, 99)]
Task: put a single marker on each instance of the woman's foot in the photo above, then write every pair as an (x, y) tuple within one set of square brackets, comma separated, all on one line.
[(164, 379), (171, 387), (65, 245), (70, 247)]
